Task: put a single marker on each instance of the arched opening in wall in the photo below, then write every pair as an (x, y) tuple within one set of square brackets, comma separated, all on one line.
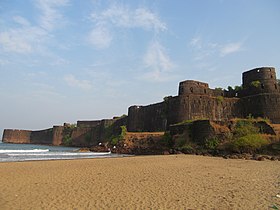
[(275, 85), (191, 89), (262, 86), (205, 91), (271, 76)]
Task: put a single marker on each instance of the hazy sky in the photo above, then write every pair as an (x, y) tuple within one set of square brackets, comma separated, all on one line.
[(65, 60)]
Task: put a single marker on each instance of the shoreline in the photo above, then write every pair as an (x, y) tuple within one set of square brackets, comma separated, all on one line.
[(157, 182)]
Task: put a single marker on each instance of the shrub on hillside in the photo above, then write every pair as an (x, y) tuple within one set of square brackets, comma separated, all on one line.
[(212, 143), (248, 143), (245, 127)]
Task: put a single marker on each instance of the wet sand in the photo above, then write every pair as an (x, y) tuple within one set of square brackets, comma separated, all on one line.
[(143, 182)]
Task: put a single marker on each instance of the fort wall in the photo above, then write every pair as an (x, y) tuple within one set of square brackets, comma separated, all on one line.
[(88, 124), (81, 137), (147, 118), (260, 97), (193, 107), (42, 137), (16, 136), (262, 105), (57, 135)]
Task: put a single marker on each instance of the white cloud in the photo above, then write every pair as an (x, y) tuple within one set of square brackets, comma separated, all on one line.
[(22, 40), (230, 48), (27, 38), (118, 16), (203, 49), (100, 37), (158, 62), (50, 14), (72, 81), (121, 16), (196, 42), (22, 21)]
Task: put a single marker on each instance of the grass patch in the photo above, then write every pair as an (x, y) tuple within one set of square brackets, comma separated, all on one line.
[(244, 127), (248, 143)]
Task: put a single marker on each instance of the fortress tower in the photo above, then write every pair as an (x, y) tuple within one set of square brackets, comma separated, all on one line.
[(260, 80), (260, 94), (193, 87)]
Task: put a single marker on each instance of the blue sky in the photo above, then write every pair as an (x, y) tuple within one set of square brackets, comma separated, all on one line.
[(65, 60)]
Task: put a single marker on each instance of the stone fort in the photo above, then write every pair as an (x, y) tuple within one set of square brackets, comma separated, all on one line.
[(259, 96)]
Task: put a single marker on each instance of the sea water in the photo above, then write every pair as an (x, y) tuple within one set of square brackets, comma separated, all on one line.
[(28, 152)]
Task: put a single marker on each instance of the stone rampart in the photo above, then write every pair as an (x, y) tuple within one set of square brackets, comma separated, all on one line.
[(16, 136), (193, 107), (88, 123), (81, 137), (262, 105), (57, 135), (42, 137), (149, 118)]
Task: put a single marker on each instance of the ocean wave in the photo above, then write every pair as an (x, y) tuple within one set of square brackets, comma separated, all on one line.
[(24, 151), (62, 154)]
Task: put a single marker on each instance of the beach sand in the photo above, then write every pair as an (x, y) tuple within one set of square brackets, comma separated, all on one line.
[(143, 182)]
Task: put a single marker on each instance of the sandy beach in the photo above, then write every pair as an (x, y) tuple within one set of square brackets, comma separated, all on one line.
[(144, 182)]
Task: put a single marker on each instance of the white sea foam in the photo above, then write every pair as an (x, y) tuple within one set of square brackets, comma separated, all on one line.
[(62, 154), (24, 151)]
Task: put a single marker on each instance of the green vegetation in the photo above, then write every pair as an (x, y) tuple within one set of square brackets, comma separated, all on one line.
[(238, 88), (244, 127), (220, 99), (229, 88), (219, 89), (115, 139), (249, 143), (256, 83), (67, 133), (187, 149), (212, 143), (247, 137), (185, 122)]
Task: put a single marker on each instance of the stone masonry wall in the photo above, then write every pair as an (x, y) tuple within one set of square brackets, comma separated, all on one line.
[(193, 107), (262, 105), (147, 118), (16, 136), (57, 135), (42, 137)]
